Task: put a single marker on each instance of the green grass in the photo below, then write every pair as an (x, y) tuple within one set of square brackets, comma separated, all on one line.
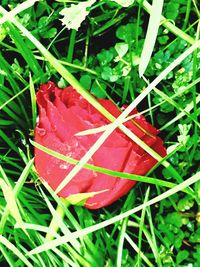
[(157, 222)]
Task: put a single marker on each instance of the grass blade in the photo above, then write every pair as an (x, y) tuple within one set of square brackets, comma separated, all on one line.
[(91, 229), (146, 179), (151, 35), (33, 101), (21, 7), (11, 247)]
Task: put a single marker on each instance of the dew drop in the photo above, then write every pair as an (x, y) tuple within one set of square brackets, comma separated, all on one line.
[(54, 128), (41, 131), (64, 166), (48, 172)]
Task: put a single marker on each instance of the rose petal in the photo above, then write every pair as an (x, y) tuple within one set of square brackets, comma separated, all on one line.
[(62, 114)]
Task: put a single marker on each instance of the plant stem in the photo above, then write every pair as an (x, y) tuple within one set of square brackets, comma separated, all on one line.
[(194, 96), (187, 15), (71, 46)]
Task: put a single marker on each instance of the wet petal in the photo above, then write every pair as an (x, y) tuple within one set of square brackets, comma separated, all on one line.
[(62, 114)]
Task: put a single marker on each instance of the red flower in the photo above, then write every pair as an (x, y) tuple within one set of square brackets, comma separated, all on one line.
[(62, 114)]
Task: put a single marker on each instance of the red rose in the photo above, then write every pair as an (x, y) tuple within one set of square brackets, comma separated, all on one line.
[(64, 113)]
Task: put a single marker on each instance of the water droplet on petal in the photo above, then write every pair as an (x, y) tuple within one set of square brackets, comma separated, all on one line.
[(48, 172), (41, 131), (64, 166), (54, 128)]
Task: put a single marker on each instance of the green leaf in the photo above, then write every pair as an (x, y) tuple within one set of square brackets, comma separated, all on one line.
[(86, 81), (76, 14), (163, 39), (105, 56), (16, 68), (98, 89), (172, 10), (106, 73), (166, 107), (195, 237), (185, 203), (181, 256), (174, 218), (182, 78), (184, 136), (127, 32), (40, 9), (43, 21), (135, 59), (110, 74), (50, 33), (121, 48)]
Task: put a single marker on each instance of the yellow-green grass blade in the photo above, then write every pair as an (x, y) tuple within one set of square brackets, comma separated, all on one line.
[(122, 175), (80, 233)]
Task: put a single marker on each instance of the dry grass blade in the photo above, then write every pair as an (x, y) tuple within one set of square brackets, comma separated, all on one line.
[(151, 35), (21, 7)]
